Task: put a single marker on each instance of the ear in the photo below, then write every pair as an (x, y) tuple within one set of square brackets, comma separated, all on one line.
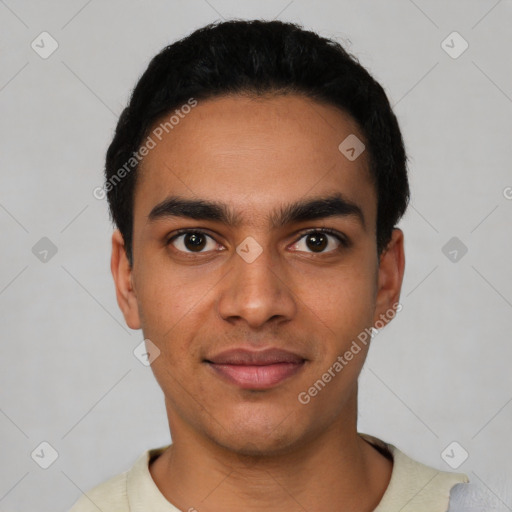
[(390, 276), (122, 273)]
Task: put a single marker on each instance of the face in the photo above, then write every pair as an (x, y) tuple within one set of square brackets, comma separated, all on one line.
[(255, 269)]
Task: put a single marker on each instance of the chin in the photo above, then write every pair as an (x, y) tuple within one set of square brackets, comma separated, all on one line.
[(259, 435), (252, 446)]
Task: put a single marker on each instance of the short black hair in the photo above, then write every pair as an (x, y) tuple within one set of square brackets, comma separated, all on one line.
[(258, 57)]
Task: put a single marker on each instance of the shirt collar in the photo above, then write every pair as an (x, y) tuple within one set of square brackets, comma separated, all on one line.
[(413, 487)]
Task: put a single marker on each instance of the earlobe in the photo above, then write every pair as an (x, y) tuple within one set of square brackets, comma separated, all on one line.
[(391, 272), (123, 280)]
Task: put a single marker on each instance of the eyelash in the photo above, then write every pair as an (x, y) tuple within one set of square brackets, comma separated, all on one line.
[(344, 243)]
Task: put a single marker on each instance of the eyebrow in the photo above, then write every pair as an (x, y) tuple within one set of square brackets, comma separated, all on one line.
[(303, 210)]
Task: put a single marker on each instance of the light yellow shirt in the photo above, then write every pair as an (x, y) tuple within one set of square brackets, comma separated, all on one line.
[(413, 487)]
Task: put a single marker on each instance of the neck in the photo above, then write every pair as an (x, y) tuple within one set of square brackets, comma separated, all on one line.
[(336, 467)]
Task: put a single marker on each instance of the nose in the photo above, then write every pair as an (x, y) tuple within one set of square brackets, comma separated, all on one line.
[(256, 291)]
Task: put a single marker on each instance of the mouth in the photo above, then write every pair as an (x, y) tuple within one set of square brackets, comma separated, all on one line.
[(256, 370)]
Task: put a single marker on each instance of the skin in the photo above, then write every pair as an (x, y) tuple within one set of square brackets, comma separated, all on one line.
[(236, 449)]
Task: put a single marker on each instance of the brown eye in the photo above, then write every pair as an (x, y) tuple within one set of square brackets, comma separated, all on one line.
[(320, 241), (317, 242), (192, 242)]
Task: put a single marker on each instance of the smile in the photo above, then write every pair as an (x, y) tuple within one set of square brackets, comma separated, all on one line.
[(249, 369)]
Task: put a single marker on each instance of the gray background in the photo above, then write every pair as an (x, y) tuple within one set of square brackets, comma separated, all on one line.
[(439, 373)]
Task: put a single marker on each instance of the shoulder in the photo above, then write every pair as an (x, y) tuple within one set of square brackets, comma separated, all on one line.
[(110, 495), (415, 487), (129, 491)]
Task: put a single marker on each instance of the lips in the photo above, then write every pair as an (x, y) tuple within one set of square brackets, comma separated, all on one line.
[(250, 369)]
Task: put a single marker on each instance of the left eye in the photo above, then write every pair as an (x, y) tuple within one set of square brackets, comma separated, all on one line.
[(317, 241)]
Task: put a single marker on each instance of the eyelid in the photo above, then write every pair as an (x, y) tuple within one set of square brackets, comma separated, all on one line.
[(184, 231)]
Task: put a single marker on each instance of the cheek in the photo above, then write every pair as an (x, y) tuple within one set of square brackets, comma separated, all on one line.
[(167, 297), (179, 356), (342, 302)]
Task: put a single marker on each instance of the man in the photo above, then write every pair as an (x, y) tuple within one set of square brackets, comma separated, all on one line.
[(256, 179)]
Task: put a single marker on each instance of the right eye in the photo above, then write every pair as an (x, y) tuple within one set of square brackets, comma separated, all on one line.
[(192, 241)]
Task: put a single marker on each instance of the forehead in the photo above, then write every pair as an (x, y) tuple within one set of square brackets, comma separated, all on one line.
[(254, 153)]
